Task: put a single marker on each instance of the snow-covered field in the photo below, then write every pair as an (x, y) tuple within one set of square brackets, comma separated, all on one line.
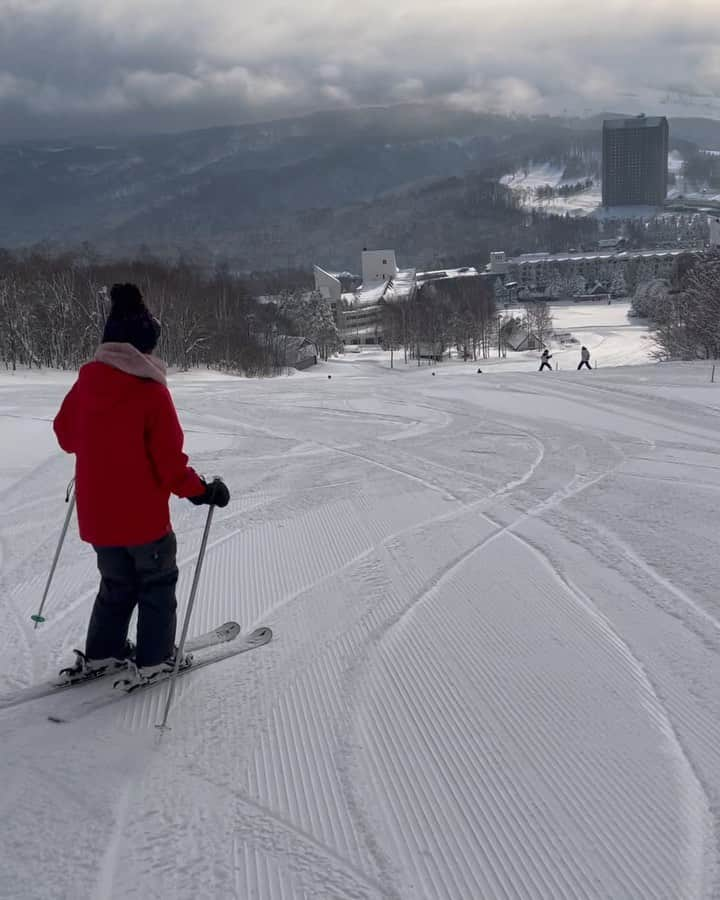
[(496, 658), (526, 182), (612, 337)]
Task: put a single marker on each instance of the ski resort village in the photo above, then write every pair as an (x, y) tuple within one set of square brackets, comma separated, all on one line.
[(383, 570)]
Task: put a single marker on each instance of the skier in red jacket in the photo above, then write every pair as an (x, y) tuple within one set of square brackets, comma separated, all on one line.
[(120, 422)]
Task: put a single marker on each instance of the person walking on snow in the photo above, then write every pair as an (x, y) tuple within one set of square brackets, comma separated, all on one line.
[(584, 358), (545, 360), (120, 422)]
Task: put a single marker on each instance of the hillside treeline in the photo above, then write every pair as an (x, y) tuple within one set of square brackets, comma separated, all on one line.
[(53, 312)]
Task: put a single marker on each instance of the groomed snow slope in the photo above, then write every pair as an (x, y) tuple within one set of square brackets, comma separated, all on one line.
[(496, 658)]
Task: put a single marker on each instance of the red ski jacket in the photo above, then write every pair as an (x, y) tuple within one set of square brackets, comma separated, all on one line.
[(127, 440)]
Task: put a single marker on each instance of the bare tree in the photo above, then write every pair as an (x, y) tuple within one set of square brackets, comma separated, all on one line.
[(539, 321), (52, 314), (392, 321)]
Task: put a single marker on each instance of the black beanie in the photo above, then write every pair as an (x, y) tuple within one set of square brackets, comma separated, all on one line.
[(130, 321)]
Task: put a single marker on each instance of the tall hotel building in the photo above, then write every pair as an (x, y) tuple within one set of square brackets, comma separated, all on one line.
[(634, 163)]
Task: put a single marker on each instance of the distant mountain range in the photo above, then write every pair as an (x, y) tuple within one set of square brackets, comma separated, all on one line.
[(287, 193)]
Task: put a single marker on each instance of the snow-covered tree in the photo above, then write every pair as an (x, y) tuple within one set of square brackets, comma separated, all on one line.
[(312, 317), (618, 287), (648, 298), (688, 316), (565, 285)]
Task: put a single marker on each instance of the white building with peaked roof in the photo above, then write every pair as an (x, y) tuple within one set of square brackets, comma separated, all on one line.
[(327, 284), (359, 313)]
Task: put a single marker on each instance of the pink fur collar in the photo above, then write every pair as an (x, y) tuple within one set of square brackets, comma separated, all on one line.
[(129, 359)]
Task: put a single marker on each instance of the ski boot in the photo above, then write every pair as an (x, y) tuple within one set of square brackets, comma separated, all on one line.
[(85, 668), (142, 676)]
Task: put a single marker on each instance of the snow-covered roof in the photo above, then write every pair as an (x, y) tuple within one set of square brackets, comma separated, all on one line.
[(402, 285), (295, 342), (530, 258), (365, 296), (463, 272)]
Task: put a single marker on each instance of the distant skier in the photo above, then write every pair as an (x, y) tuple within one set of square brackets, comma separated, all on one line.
[(120, 422), (545, 360), (584, 358)]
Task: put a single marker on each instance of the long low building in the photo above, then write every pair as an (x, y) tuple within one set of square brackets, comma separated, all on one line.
[(573, 274)]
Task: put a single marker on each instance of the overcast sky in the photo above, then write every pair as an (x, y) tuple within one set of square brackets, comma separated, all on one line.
[(92, 66)]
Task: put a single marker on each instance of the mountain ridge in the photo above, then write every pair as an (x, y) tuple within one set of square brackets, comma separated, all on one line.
[(212, 191)]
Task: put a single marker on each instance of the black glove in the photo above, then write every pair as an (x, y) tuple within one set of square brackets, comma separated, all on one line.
[(216, 494)]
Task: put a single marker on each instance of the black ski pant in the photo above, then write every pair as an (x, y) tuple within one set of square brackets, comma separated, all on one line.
[(583, 362), (545, 364), (144, 576)]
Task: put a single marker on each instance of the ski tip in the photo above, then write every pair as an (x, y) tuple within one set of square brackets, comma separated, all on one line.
[(261, 635)]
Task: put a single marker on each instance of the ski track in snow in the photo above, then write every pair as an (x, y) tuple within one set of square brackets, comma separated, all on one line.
[(106, 879), (477, 687)]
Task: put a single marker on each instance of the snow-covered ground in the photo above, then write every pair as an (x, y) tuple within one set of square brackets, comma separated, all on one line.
[(605, 329), (587, 202), (526, 183), (496, 657), (684, 188)]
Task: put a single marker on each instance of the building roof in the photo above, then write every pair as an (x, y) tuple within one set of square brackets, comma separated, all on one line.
[(366, 296), (520, 338), (635, 122), (402, 284), (464, 272), (528, 258)]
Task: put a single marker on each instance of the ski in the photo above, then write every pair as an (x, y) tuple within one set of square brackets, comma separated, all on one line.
[(251, 641), (256, 638), (228, 631), (220, 635)]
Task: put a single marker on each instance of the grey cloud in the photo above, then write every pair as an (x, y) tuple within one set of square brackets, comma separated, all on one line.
[(79, 66)]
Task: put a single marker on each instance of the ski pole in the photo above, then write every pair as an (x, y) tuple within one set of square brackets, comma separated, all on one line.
[(69, 498), (186, 623)]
